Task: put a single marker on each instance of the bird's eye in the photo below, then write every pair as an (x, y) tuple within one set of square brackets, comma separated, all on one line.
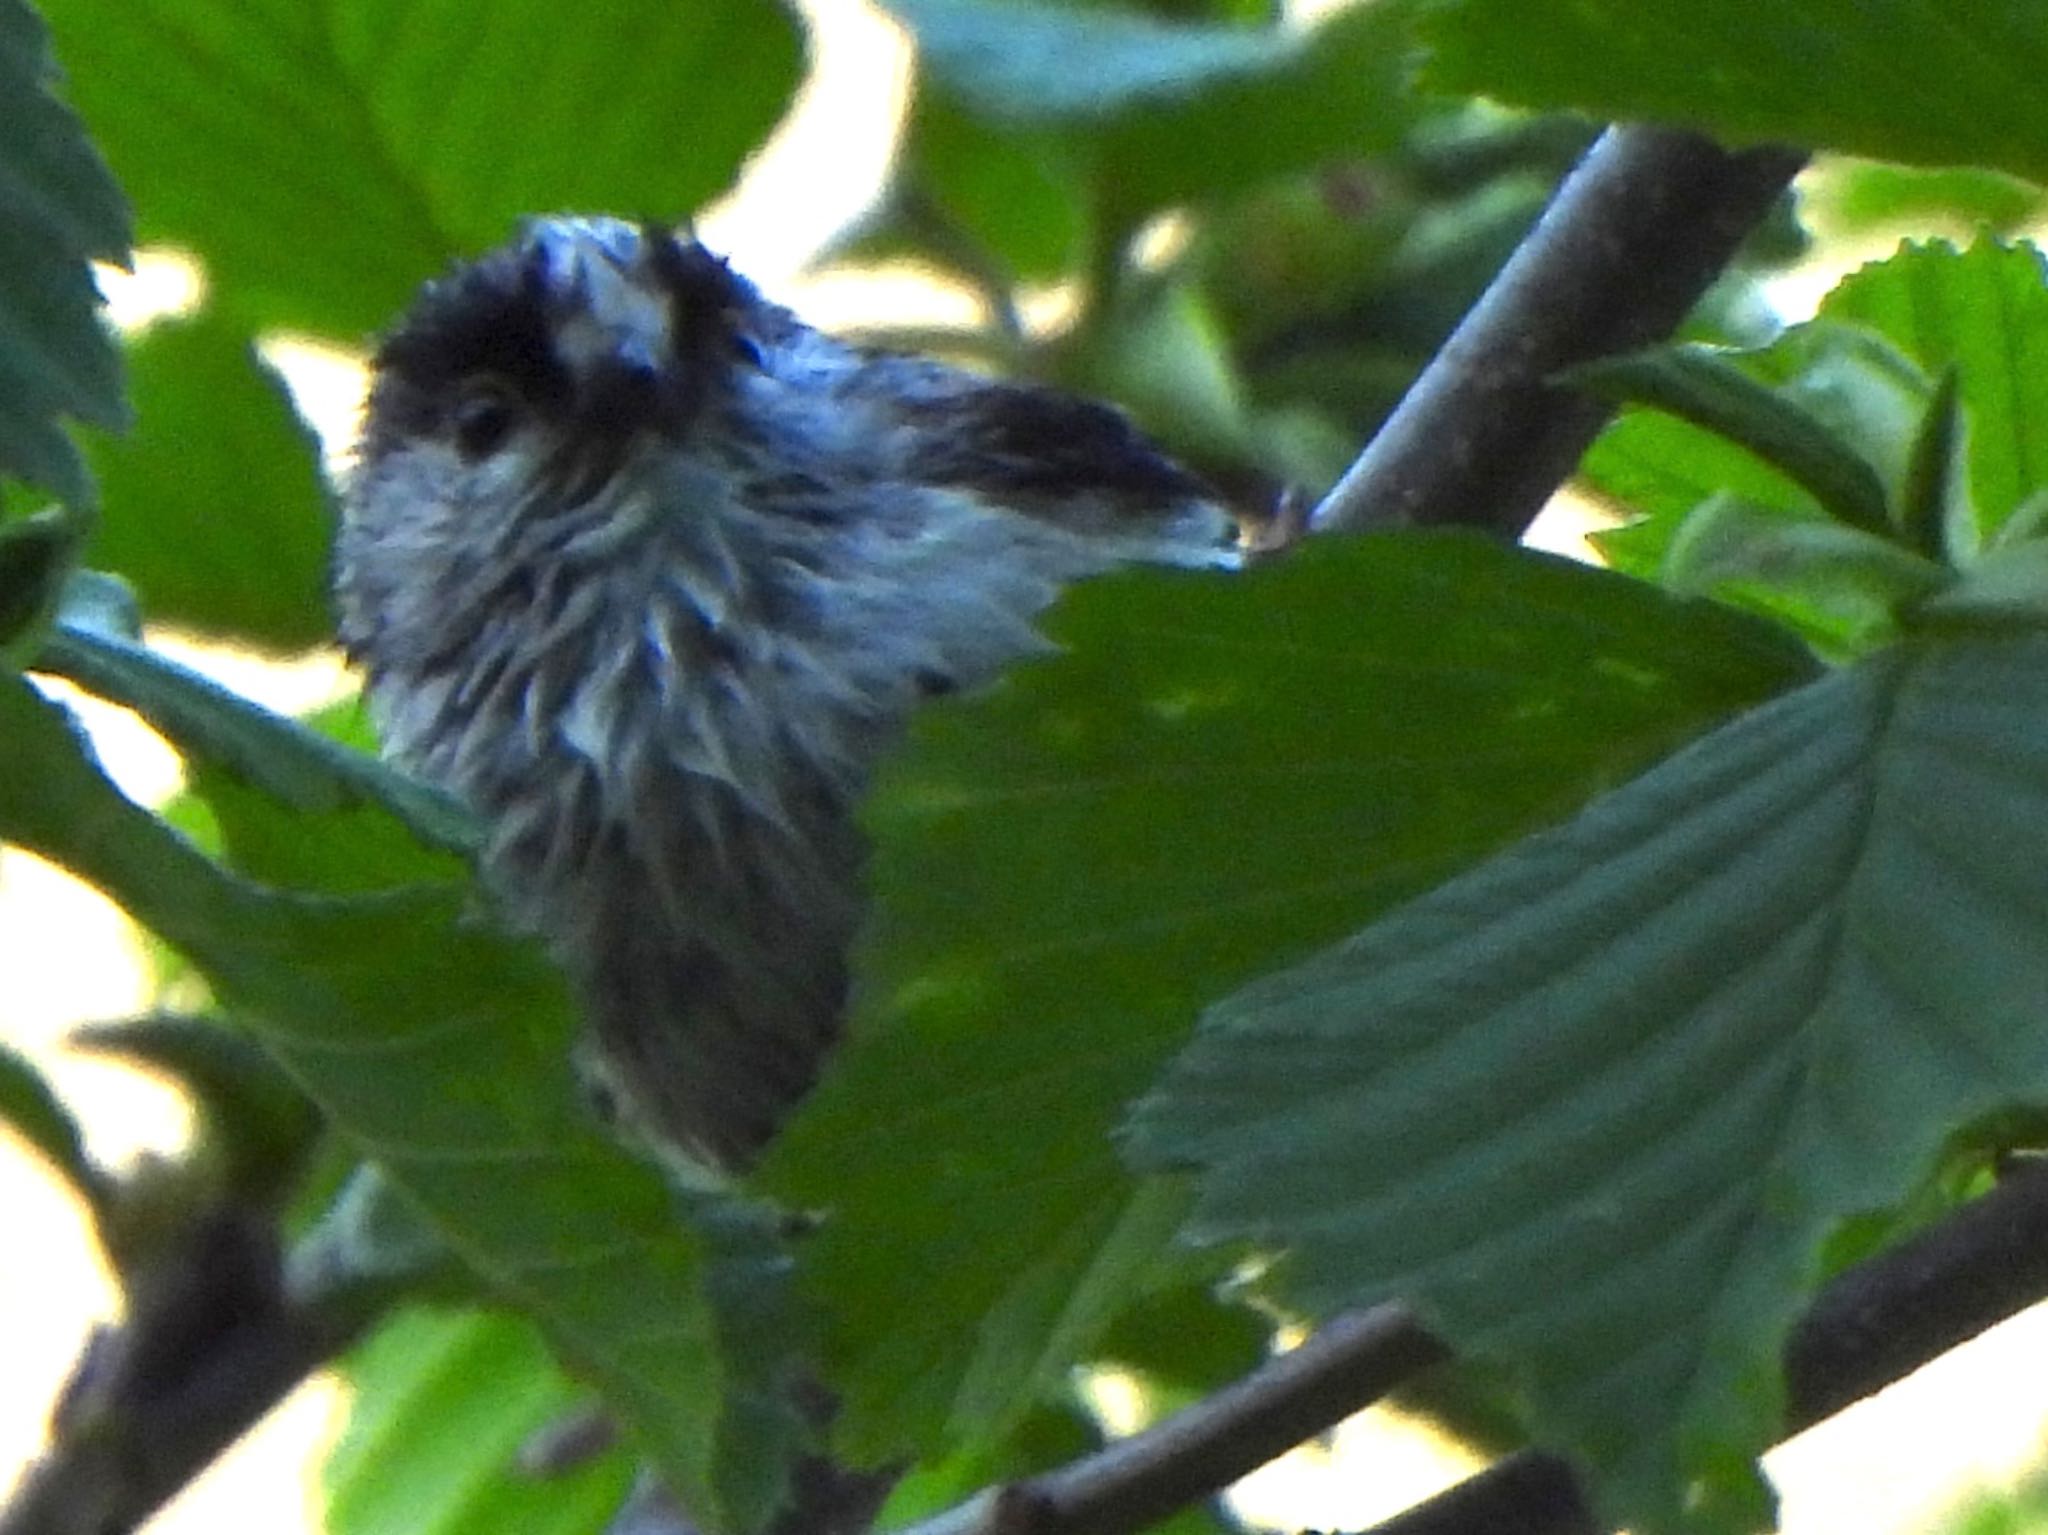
[(484, 417)]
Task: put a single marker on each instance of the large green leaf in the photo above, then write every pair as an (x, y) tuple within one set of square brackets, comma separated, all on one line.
[(441, 1403), (1595, 1105), (439, 1050), (1829, 74), (214, 507), (58, 209), (1220, 772), (322, 156)]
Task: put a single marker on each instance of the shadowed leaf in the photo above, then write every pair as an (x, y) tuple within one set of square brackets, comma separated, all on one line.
[(58, 209), (1655, 1056), (1219, 772)]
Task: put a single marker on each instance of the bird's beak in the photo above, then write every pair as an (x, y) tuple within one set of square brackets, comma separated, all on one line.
[(612, 309)]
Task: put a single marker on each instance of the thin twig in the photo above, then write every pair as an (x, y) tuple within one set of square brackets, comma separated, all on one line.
[(1634, 237), (1347, 1364)]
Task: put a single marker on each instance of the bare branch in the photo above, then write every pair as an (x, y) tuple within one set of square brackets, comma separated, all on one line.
[(1348, 1364), (1885, 1318), (1633, 238), (1871, 1326), (213, 1339)]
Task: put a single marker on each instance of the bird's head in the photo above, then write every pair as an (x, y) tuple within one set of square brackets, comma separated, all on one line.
[(537, 412), (543, 363)]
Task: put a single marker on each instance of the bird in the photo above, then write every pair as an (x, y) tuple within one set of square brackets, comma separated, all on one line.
[(651, 574)]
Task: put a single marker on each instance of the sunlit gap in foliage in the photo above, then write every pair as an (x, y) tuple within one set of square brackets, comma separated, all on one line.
[(1844, 241), (1368, 1468), (164, 283)]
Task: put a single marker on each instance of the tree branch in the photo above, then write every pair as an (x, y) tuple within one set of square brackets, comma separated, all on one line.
[(214, 1337), (1872, 1325), (1634, 237), (1347, 1364), (1869, 1327)]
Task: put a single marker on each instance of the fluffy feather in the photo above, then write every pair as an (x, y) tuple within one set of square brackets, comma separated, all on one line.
[(650, 572)]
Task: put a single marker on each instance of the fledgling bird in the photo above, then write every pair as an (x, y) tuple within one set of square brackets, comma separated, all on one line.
[(649, 572)]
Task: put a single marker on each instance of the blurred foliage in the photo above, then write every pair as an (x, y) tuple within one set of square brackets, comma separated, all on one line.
[(2022, 1511), (1252, 237), (215, 430), (444, 1402), (1258, 296), (1831, 76)]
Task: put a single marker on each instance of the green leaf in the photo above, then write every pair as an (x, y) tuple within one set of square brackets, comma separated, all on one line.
[(1167, 361), (1661, 468), (440, 1050), (1185, 1342), (37, 554), (30, 1107), (58, 209), (1983, 312), (441, 1403), (1706, 387), (2008, 585), (1868, 371), (322, 157), (1833, 389), (1843, 589), (1164, 111), (214, 508), (1827, 76), (1219, 772), (1348, 95), (1935, 494), (1016, 61), (1015, 194), (2029, 521), (365, 1243), (282, 758), (1655, 1056)]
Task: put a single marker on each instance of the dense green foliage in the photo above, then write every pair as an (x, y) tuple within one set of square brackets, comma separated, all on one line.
[(1570, 952)]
